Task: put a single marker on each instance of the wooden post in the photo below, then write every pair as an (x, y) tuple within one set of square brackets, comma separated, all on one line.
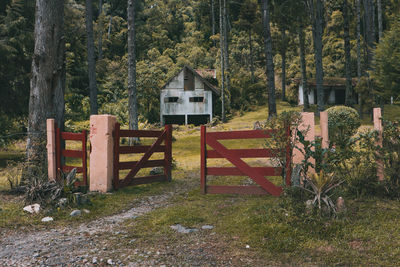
[(323, 122), (378, 127), (51, 150), (168, 153), (307, 125), (203, 165), (102, 152), (84, 157)]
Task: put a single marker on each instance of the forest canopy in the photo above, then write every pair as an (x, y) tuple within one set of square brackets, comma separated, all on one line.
[(174, 33)]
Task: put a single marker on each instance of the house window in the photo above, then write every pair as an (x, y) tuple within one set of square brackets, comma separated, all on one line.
[(196, 99), (171, 99)]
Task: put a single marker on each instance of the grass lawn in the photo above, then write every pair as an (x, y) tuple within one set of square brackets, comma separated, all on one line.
[(365, 235)]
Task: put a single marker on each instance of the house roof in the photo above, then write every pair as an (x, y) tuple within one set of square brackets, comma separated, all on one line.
[(195, 73)]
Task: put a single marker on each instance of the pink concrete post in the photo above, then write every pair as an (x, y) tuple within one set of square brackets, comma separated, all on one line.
[(308, 126), (51, 150), (102, 150), (323, 122), (378, 127)]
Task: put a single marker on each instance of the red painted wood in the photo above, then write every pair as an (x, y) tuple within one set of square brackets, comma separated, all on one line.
[(246, 153), (70, 168), (71, 136), (146, 156), (243, 166), (72, 153), (142, 180), (148, 164), (252, 134), (116, 156), (203, 160), (58, 151), (139, 133), (288, 167), (138, 149), (231, 189), (168, 153), (84, 157), (265, 171)]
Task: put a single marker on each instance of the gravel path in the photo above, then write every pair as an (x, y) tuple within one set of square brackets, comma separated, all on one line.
[(70, 246)]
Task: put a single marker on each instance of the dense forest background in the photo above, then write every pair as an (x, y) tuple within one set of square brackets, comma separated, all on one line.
[(172, 33)]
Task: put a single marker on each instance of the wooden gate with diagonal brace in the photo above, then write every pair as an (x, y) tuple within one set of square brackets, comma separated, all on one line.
[(234, 156), (134, 166)]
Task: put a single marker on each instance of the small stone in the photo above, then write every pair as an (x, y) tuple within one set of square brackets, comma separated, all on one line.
[(132, 241), (86, 211), (183, 230), (47, 219), (110, 262), (75, 213), (340, 206), (163, 265), (34, 208), (156, 171), (36, 255), (207, 227), (62, 202), (94, 260), (247, 246)]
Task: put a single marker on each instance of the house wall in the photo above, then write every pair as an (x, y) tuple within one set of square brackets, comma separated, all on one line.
[(175, 88), (312, 99)]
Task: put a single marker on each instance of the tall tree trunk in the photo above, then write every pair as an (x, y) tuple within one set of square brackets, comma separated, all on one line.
[(269, 60), (303, 67), (100, 46), (213, 20), (91, 57), (283, 64), (251, 57), (109, 28), (369, 30), (226, 55), (221, 45), (133, 115), (380, 29), (358, 11), (47, 80), (317, 26), (349, 90)]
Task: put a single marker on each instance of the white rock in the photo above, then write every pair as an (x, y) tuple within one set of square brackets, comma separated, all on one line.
[(94, 260), (110, 262), (47, 219), (182, 229), (86, 211), (34, 208), (247, 246), (207, 227), (75, 213)]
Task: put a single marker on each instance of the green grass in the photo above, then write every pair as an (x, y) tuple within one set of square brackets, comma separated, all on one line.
[(365, 236)]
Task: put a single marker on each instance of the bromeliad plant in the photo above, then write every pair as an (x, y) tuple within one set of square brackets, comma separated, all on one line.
[(319, 185)]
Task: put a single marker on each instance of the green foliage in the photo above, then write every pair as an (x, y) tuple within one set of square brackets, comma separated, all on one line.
[(389, 153), (387, 63), (343, 123), (281, 139)]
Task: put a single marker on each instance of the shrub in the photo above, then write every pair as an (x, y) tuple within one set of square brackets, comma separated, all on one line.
[(343, 123)]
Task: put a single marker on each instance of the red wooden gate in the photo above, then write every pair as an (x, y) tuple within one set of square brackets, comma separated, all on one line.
[(144, 162), (241, 168), (70, 153)]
